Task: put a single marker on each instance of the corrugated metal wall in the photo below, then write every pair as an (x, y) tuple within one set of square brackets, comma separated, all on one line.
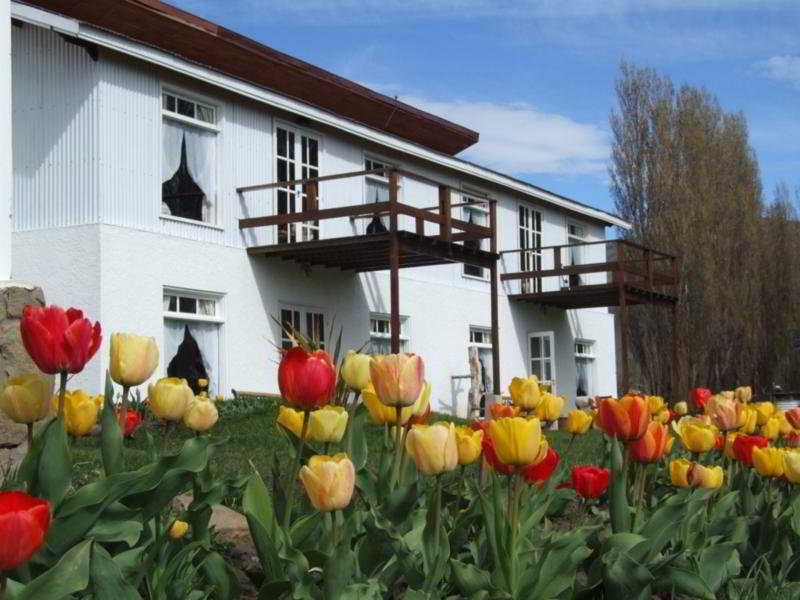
[(54, 102)]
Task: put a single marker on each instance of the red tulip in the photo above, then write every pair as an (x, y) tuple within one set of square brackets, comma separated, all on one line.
[(541, 471), (58, 340), (625, 419), (306, 380), (699, 396), (743, 447), (793, 416), (490, 455), (24, 521), (793, 439), (590, 481), (132, 421), (720, 443)]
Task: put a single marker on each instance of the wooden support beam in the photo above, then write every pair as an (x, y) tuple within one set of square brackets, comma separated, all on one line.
[(623, 334), (495, 320), (394, 265), (446, 228)]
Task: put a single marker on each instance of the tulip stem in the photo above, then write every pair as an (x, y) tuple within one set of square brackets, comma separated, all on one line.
[(123, 413), (398, 449), (348, 436), (30, 435), (3, 580), (404, 456), (287, 515), (334, 531), (567, 451), (62, 391)]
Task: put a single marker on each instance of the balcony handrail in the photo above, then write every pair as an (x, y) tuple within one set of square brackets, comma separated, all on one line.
[(595, 243)]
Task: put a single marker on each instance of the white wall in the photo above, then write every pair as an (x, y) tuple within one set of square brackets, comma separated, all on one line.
[(5, 145)]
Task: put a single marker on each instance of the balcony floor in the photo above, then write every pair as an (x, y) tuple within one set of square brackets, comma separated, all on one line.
[(362, 253), (594, 296)]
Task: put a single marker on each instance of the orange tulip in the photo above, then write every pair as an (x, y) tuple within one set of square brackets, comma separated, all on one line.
[(504, 410), (652, 445), (626, 418)]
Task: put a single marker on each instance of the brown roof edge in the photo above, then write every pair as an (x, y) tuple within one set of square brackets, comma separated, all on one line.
[(200, 41)]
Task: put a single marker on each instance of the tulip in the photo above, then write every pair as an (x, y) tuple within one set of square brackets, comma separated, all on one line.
[(306, 379), (500, 410), (743, 446), (791, 466), (785, 427), (695, 435), (26, 399), (397, 378), (170, 398), (705, 477), (625, 419), (743, 394), (764, 411), (525, 392), (679, 472), (24, 523), (793, 439), (379, 412), (590, 481), (433, 447), (58, 340), (489, 453), (326, 424), (652, 445), (80, 412), (201, 414), (768, 461), (132, 421), (719, 442), (729, 439), (663, 417), (748, 418), (202, 383), (699, 396), (355, 370), (771, 429), (681, 408), (578, 422), (655, 404), (329, 481), (469, 442), (668, 444), (723, 412), (422, 406), (178, 530), (518, 441), (793, 416), (540, 472), (549, 408), (100, 402), (133, 358)]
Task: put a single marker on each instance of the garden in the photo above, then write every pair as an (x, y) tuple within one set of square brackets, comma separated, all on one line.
[(352, 488)]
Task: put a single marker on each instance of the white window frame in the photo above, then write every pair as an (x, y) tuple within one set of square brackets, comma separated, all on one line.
[(304, 311), (380, 179), (552, 358), (482, 209), (590, 357), (298, 133), (534, 284), (485, 331), (572, 238), (405, 339)]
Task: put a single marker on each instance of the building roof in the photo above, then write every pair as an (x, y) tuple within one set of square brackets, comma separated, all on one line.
[(194, 39)]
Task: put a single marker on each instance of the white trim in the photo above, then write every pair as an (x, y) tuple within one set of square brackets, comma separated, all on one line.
[(190, 121), (273, 99), (554, 377), (191, 222), (485, 330)]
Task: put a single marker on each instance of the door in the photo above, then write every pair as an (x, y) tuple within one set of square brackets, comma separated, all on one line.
[(576, 234), (297, 157), (530, 244), (541, 348)]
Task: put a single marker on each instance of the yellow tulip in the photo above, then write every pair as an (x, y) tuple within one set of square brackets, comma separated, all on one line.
[(768, 461), (99, 402), (169, 398), (549, 408), (381, 413), (764, 411), (202, 383), (469, 444), (80, 412), (662, 417), (656, 404), (525, 392), (723, 412), (578, 422), (26, 399), (771, 429), (201, 415), (728, 394), (695, 434), (785, 427), (669, 444), (397, 378), (423, 403), (329, 481), (748, 418), (517, 441), (133, 358), (355, 370), (679, 472), (791, 465), (433, 447), (705, 477), (729, 438), (681, 408), (178, 530), (743, 394), (326, 424)]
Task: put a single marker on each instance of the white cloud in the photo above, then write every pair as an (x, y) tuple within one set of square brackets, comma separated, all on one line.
[(519, 139), (781, 68)]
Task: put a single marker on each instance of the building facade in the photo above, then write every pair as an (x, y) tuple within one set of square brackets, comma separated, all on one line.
[(128, 168)]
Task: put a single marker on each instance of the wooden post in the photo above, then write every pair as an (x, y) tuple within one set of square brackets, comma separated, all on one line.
[(394, 266), (623, 334), (312, 199), (495, 331), (446, 228)]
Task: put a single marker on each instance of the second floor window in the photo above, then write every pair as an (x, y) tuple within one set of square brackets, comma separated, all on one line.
[(188, 158), (376, 189), (380, 334), (530, 245), (296, 157), (309, 322), (476, 213)]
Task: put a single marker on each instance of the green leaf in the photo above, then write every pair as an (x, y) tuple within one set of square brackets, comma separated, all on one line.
[(112, 530), (626, 578), (274, 589), (718, 564), (69, 576), (107, 578), (683, 581), (303, 531), (257, 508), (469, 579), (618, 493), (562, 558), (359, 439), (111, 441), (399, 503), (339, 571), (55, 465), (220, 575)]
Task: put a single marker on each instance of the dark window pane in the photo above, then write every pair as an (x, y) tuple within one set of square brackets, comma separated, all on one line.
[(313, 152), (181, 193), (169, 102), (185, 107), (290, 142), (303, 148), (282, 170), (473, 271), (188, 305), (205, 113), (173, 304), (281, 142)]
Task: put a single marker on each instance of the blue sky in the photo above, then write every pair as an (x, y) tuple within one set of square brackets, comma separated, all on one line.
[(536, 78)]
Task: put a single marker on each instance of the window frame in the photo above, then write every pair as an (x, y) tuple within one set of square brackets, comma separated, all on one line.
[(218, 316), (554, 377), (304, 311), (468, 192), (534, 251), (195, 99), (483, 330), (405, 338), (590, 358)]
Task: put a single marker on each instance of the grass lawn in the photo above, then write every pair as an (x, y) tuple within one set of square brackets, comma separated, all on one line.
[(253, 437)]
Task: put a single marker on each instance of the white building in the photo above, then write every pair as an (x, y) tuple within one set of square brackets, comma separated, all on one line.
[(113, 99)]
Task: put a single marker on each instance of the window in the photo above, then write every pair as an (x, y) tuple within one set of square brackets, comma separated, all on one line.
[(480, 336), (530, 244), (376, 189), (542, 364), (192, 338), (297, 157), (576, 234), (476, 212), (584, 367), (188, 158), (380, 334), (311, 323)]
